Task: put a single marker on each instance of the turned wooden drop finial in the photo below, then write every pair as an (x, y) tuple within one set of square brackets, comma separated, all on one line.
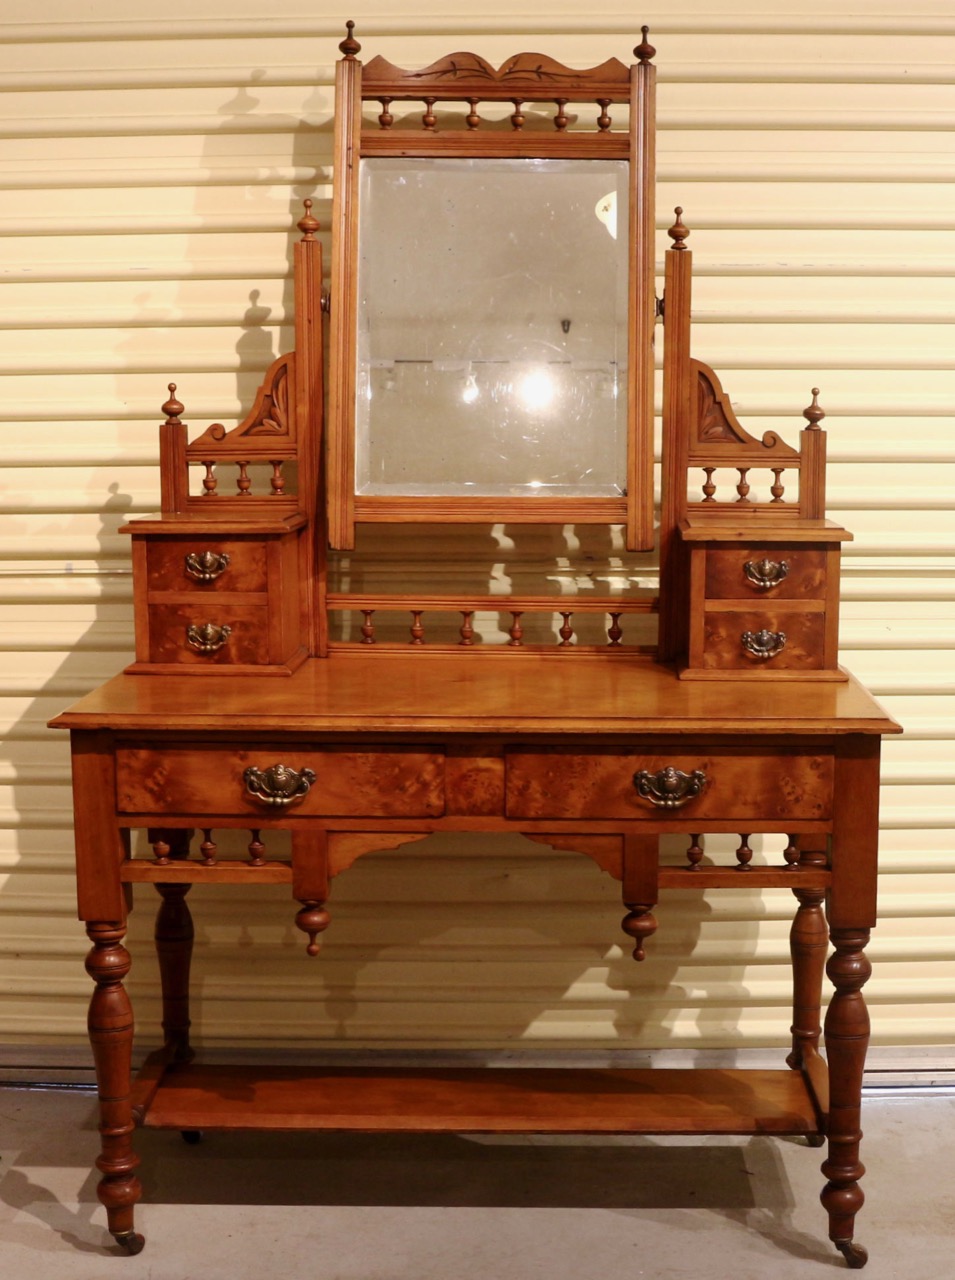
[(308, 224), (814, 415), (172, 408), (350, 46), (678, 232), (644, 50)]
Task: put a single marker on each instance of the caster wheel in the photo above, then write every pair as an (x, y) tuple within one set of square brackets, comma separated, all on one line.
[(131, 1242), (855, 1255), (815, 1139), (191, 1136)]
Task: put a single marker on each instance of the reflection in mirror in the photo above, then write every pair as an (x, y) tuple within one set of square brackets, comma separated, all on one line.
[(492, 327)]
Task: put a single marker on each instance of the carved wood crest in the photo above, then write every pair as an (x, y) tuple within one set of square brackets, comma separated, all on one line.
[(717, 426), (469, 75), (268, 431)]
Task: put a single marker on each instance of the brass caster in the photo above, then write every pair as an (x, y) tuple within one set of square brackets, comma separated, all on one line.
[(855, 1255), (815, 1139), (130, 1242), (191, 1136)]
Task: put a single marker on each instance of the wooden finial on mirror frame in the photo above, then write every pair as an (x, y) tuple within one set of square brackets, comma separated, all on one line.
[(308, 224), (172, 408), (814, 415), (678, 232), (644, 50), (350, 46)]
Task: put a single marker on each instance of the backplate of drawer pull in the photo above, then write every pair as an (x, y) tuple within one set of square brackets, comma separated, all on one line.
[(669, 788), (764, 574), (206, 566), (278, 785), (207, 637), (763, 644)]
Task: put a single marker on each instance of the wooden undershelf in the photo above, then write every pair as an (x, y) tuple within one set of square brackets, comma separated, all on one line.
[(496, 1100)]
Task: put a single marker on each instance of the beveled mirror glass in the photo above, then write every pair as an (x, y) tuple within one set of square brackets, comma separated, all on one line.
[(492, 327)]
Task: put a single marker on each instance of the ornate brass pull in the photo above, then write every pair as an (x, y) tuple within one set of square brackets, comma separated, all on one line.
[(670, 788), (763, 644), (207, 637), (206, 566), (278, 784), (765, 573)]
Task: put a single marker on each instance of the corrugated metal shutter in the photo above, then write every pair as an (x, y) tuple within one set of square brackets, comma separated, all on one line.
[(152, 176)]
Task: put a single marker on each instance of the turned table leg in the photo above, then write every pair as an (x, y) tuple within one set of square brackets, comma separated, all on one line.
[(808, 946), (111, 1036), (174, 937), (847, 1038)]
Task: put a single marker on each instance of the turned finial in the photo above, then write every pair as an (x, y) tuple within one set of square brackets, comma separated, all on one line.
[(678, 232), (814, 415), (350, 46), (644, 50), (308, 224), (172, 408)]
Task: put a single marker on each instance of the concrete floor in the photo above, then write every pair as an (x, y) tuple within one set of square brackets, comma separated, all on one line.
[(356, 1207)]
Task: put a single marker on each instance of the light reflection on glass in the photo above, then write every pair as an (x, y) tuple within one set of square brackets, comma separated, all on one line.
[(536, 390)]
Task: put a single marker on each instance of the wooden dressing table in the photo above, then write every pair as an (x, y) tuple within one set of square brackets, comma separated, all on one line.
[(260, 699)]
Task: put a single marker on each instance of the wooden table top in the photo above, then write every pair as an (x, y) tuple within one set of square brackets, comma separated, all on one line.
[(476, 693)]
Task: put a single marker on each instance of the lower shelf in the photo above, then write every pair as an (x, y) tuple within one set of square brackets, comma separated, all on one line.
[(492, 1100)]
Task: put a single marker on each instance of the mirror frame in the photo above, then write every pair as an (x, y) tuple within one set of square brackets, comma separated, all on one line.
[(466, 78)]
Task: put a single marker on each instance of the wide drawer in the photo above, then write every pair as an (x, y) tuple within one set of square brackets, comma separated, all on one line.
[(768, 572), (773, 785), (271, 780)]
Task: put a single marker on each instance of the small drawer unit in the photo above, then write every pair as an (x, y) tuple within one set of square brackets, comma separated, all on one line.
[(210, 602), (763, 600)]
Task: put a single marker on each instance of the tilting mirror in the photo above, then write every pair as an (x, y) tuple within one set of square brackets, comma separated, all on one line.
[(492, 294), (492, 328)]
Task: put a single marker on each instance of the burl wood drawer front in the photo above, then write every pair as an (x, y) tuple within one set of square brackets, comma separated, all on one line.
[(773, 786), (771, 640), (206, 565), (271, 780), (770, 572), (210, 633)]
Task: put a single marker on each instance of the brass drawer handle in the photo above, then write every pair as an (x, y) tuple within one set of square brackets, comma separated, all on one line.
[(763, 644), (207, 637), (765, 573), (206, 566), (670, 788), (278, 784)]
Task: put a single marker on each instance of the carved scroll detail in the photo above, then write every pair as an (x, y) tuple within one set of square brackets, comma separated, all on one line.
[(269, 430), (712, 421), (717, 424)]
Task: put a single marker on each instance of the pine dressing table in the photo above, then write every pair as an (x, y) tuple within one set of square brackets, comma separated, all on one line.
[(263, 699)]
